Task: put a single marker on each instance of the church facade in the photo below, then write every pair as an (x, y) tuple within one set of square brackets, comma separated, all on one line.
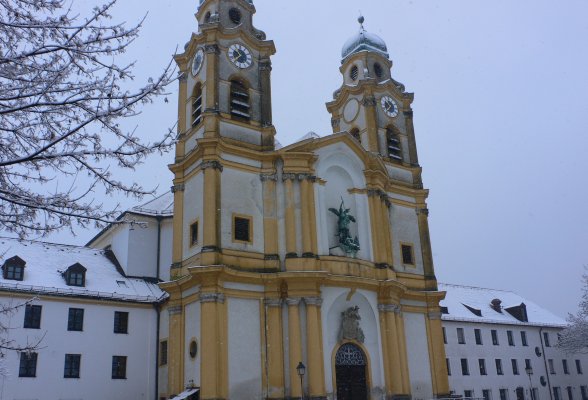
[(314, 254)]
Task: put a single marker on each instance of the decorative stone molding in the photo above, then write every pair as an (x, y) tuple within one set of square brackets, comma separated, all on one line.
[(211, 110), (313, 301), (182, 76), (211, 164), (300, 176), (271, 257), (407, 114), (381, 194), (273, 302), (288, 177), (211, 249), (293, 301), (176, 265), (435, 315), (175, 310), (268, 177), (212, 49), (212, 298), (178, 188), (369, 101), (350, 329), (393, 308), (265, 65), (335, 122)]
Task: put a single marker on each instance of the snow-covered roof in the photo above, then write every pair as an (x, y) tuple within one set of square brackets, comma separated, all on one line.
[(474, 304), (160, 206), (45, 263)]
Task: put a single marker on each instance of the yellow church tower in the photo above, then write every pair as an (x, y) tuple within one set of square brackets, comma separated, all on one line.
[(315, 255)]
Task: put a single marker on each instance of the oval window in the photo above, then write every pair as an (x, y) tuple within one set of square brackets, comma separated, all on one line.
[(193, 349)]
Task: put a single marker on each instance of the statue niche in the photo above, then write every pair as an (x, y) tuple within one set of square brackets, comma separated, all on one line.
[(349, 245), (350, 329)]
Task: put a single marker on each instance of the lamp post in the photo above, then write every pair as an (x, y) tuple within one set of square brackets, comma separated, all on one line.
[(301, 369), (529, 372)]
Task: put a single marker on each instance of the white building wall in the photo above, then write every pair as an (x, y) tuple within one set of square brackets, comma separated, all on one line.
[(417, 347), (535, 351), (192, 365), (193, 206), (96, 343)]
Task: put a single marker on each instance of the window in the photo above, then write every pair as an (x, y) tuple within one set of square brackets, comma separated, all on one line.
[(119, 367), (13, 269), (241, 229), (193, 349), (524, 338), (75, 321), (378, 70), (75, 275), (354, 73), (486, 394), (468, 393), (163, 352), (515, 366), (570, 394), (194, 234), (235, 16), (239, 101), (482, 364), (478, 335), (28, 365), (551, 367), (566, 370), (197, 105), (355, 133), (460, 336), (503, 394), (546, 339), (556, 393), (528, 364), (499, 367), (579, 367), (510, 338), (32, 318), (72, 366), (121, 322), (407, 254), (494, 334), (448, 366), (445, 336), (465, 369), (584, 392), (394, 147)]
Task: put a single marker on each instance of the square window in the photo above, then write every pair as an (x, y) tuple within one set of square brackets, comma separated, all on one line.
[(194, 234), (119, 367), (465, 369), (487, 394), (565, 367), (570, 394), (503, 394), (28, 365), (579, 367), (163, 352), (524, 338), (499, 367), (408, 254), (121, 322), (72, 366), (460, 336), (75, 321), (551, 367), (468, 394), (241, 229), (478, 335), (528, 364), (515, 367), (510, 338), (32, 318), (584, 392), (494, 334), (14, 272), (546, 339), (482, 364), (556, 393)]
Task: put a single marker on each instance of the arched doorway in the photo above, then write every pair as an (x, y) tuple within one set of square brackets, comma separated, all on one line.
[(351, 373)]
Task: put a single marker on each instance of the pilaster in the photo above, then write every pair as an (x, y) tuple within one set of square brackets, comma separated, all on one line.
[(294, 345), (275, 356), (213, 350), (314, 351), (175, 350), (211, 238)]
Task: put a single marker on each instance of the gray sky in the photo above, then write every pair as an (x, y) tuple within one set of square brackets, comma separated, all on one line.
[(501, 107)]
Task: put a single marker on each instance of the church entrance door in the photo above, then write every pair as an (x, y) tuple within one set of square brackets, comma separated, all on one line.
[(351, 373)]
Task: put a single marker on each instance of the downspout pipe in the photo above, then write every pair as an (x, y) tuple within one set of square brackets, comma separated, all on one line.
[(158, 308)]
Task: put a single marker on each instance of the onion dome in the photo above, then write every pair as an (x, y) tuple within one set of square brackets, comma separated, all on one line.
[(248, 1), (364, 41)]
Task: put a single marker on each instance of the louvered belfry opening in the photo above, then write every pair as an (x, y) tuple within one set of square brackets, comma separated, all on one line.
[(394, 149), (240, 108), (197, 106)]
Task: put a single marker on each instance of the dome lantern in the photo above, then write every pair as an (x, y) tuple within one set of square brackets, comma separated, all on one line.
[(364, 41)]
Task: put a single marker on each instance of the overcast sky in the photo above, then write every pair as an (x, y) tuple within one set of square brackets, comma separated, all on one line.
[(500, 112)]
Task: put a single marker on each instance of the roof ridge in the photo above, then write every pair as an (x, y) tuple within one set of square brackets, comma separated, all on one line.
[(479, 288), (41, 242), (140, 206)]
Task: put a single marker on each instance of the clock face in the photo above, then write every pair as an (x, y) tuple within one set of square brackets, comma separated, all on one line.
[(389, 106), (197, 62), (240, 56)]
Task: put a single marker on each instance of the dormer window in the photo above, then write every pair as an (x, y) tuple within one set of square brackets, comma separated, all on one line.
[(240, 108), (197, 105), (75, 275), (13, 269)]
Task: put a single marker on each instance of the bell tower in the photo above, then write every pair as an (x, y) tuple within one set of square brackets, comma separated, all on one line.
[(371, 105)]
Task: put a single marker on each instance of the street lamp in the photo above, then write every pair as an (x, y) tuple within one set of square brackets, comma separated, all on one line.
[(301, 369), (529, 372)]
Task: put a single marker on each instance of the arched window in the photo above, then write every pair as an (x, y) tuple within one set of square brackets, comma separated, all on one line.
[(240, 108), (393, 143), (197, 105), (355, 133)]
